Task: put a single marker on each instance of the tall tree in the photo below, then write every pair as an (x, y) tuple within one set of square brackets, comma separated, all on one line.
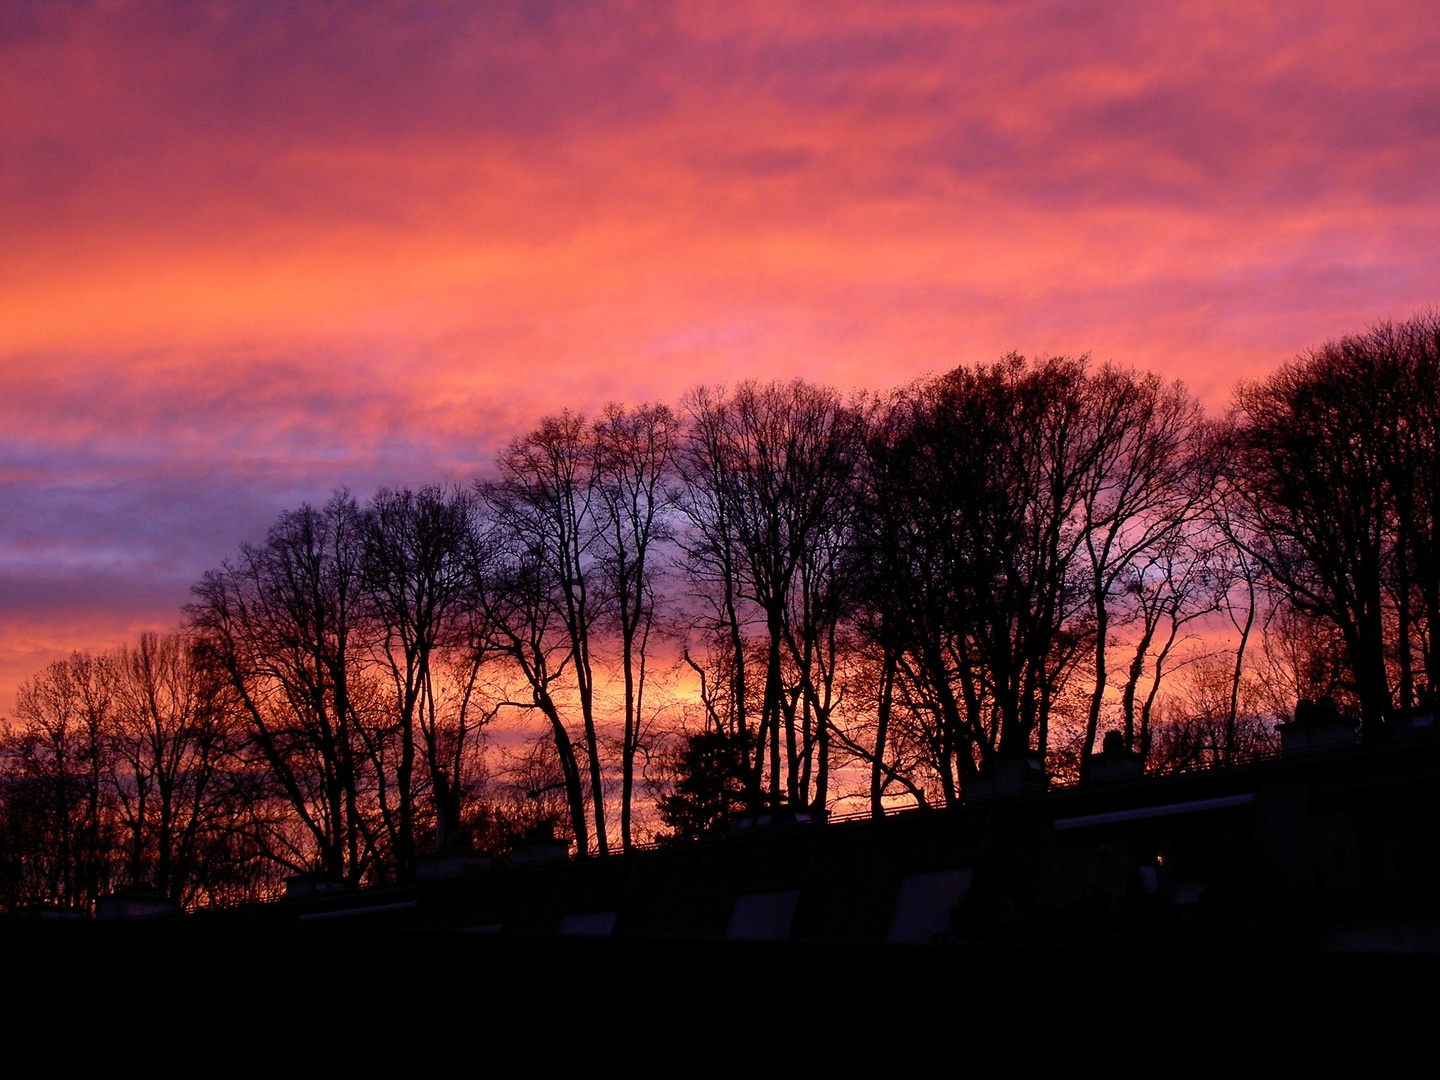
[(770, 470), (1150, 473), (542, 507), (635, 492), (1413, 347), (61, 826), (173, 741), (977, 525), (415, 581), (281, 621), (513, 587), (1315, 483)]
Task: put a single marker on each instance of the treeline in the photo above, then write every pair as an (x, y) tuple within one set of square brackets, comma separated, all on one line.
[(773, 596)]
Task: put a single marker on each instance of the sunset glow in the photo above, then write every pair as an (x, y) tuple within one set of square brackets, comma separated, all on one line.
[(255, 252)]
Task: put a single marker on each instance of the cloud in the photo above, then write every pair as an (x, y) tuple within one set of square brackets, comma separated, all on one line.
[(258, 251)]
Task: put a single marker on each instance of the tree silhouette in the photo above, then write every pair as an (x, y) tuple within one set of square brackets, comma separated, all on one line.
[(770, 473), (1334, 475), (709, 787)]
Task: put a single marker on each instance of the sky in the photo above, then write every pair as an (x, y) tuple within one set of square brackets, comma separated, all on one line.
[(251, 252)]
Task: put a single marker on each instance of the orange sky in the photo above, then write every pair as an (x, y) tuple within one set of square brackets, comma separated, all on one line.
[(255, 251)]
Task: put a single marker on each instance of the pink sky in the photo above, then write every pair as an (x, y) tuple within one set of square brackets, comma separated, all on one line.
[(255, 251)]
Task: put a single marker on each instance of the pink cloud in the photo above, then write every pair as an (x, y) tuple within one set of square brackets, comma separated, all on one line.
[(254, 252)]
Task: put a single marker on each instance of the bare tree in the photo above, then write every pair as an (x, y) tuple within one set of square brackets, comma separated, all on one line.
[(1313, 482), (635, 492), (1147, 479), (976, 528), (770, 471), (414, 566), (913, 615), (1302, 657), (534, 579), (281, 623), (61, 828), (1412, 349), (1172, 588), (173, 743)]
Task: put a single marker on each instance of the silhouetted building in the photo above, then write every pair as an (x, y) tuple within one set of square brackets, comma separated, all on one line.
[(1334, 844), (135, 903)]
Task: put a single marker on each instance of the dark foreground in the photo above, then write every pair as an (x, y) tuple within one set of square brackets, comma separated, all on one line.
[(282, 995), (1199, 924)]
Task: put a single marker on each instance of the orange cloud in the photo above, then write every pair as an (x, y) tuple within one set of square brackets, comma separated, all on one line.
[(256, 251)]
